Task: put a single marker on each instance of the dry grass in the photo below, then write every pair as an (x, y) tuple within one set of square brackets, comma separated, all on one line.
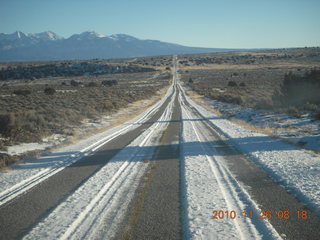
[(263, 130), (35, 114), (119, 117), (288, 65), (256, 77), (26, 118)]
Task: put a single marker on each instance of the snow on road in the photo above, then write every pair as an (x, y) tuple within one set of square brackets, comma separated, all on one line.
[(210, 186), (96, 209)]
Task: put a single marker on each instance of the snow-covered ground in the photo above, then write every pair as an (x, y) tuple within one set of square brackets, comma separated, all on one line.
[(207, 185), (302, 131), (294, 168)]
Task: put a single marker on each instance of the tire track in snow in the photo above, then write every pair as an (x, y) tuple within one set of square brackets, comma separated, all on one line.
[(234, 195), (266, 192), (155, 210), (88, 220)]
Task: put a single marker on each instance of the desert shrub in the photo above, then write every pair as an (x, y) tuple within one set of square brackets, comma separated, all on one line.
[(311, 107), (49, 91), (229, 98), (29, 119), (92, 84), (265, 103), (74, 83), (5, 160), (109, 82), (6, 124), (235, 74), (242, 84), (294, 111), (316, 115), (22, 126), (297, 90), (299, 93), (3, 146), (232, 84), (23, 92), (190, 80)]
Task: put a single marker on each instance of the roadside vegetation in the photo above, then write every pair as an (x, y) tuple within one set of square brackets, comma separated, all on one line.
[(300, 93), (34, 108), (282, 80)]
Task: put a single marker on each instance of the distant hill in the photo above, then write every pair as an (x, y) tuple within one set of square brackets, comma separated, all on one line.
[(87, 45)]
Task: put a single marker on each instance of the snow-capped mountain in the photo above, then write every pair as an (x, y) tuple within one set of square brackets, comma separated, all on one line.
[(123, 37), (87, 45), (88, 35), (45, 36), (13, 36)]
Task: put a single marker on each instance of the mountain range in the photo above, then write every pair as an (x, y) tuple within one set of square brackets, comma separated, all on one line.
[(44, 46)]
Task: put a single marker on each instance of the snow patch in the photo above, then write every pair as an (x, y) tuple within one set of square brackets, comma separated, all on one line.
[(26, 147), (303, 131), (210, 186), (297, 170)]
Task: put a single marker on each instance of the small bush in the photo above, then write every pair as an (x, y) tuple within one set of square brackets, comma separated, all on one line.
[(296, 89), (264, 104), (74, 83), (316, 115), (242, 84), (6, 124), (92, 84), (311, 107), (294, 111), (5, 160), (230, 99), (49, 91), (232, 84)]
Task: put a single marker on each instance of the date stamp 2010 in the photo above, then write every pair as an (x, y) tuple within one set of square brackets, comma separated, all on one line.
[(281, 214)]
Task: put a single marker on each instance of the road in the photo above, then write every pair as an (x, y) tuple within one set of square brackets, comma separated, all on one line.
[(161, 176)]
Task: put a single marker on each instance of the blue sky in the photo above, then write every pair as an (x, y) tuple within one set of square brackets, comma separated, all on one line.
[(203, 23)]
